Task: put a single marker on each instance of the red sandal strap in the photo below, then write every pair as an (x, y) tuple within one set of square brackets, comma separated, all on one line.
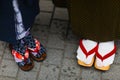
[(85, 51), (37, 48), (107, 55), (19, 56)]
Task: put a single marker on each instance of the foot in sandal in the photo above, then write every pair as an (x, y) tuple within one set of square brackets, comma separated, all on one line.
[(86, 52), (105, 55), (36, 49), (21, 56)]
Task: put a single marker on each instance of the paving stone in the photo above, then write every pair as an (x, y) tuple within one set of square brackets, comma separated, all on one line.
[(6, 78), (37, 19), (7, 53), (117, 56), (65, 77), (61, 13), (2, 46), (30, 75), (40, 31), (117, 42), (54, 41), (8, 68), (90, 74), (112, 74), (0, 60), (72, 38), (46, 5), (59, 26), (43, 18), (36, 66), (70, 67), (49, 72), (54, 56), (70, 50)]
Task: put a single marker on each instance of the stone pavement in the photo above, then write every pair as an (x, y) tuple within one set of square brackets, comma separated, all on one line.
[(61, 63)]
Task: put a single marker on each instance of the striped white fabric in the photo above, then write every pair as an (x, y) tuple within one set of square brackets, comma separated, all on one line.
[(19, 27)]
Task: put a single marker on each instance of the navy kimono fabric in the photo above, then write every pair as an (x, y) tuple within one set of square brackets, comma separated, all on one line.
[(29, 9)]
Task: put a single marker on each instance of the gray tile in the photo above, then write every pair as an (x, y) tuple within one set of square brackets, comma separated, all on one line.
[(30, 75), (55, 41), (36, 66), (117, 56), (43, 18), (59, 26), (37, 19), (65, 77), (72, 38), (0, 60), (43, 42), (70, 50), (70, 67), (8, 68), (49, 72), (54, 56), (6, 78), (112, 74), (46, 5), (90, 74), (7, 53), (117, 42), (61, 13), (2, 47), (40, 31)]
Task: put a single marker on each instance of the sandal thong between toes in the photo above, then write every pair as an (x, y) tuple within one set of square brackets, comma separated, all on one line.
[(102, 58), (87, 55), (24, 62), (38, 53)]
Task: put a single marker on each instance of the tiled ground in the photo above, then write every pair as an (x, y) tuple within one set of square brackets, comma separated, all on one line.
[(61, 63)]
